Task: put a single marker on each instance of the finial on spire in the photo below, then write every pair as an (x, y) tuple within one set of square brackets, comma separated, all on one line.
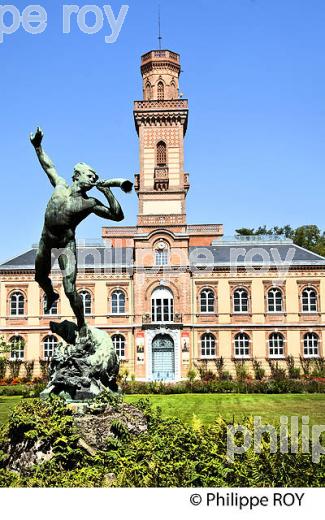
[(159, 28)]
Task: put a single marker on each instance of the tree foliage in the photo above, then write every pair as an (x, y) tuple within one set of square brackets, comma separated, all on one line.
[(309, 236)]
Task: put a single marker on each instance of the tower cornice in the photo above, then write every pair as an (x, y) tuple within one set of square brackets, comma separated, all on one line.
[(157, 112)]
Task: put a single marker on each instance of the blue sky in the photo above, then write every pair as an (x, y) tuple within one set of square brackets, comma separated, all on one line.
[(254, 73)]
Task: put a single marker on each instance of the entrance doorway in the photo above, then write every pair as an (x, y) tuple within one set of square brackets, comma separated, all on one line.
[(163, 358)]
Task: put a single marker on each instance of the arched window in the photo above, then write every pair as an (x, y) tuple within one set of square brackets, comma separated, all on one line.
[(240, 300), (17, 304), (86, 300), (148, 91), (276, 345), (309, 300), (160, 91), (118, 302), (274, 300), (311, 341), (53, 310), (17, 350), (208, 345), (173, 90), (161, 154), (207, 301), (119, 345), (241, 345), (161, 256), (49, 344), (162, 305)]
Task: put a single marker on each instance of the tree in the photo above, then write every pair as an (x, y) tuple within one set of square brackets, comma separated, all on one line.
[(309, 236)]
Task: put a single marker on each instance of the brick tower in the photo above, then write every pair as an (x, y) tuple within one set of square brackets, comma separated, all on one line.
[(161, 122)]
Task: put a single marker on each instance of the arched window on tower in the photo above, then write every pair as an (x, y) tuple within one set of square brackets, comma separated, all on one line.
[(173, 90), (161, 154), (148, 91), (160, 91)]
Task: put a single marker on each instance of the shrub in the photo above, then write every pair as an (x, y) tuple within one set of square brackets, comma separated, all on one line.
[(44, 366), (293, 372), (29, 368), (241, 370), (3, 367), (259, 372), (277, 373), (169, 454), (14, 367)]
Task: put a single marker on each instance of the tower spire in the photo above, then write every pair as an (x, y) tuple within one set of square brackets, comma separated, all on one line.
[(159, 28)]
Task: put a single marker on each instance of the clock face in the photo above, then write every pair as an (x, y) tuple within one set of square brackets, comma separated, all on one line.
[(161, 245)]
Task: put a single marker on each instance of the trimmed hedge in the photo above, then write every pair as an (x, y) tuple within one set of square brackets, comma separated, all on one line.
[(287, 386)]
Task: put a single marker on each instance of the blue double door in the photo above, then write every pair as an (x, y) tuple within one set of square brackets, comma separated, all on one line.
[(163, 358)]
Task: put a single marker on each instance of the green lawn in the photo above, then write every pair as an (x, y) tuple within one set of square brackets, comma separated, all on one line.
[(270, 407), (208, 406), (6, 403)]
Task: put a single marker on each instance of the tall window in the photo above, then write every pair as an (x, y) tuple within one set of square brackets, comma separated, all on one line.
[(162, 305), (119, 345), (118, 302), (311, 341), (53, 310), (309, 300), (160, 90), (173, 89), (17, 304), (86, 300), (161, 154), (241, 345), (208, 345), (49, 344), (17, 347), (161, 256), (207, 300), (148, 91), (240, 300), (276, 345), (274, 300)]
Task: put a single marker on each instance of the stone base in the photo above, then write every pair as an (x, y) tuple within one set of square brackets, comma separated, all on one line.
[(82, 370)]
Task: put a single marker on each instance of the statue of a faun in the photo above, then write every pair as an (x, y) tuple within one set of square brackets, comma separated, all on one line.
[(67, 207)]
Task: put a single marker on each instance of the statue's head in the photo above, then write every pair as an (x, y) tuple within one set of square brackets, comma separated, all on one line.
[(85, 176)]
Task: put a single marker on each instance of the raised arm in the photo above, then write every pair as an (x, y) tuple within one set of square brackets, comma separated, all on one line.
[(114, 212), (46, 163)]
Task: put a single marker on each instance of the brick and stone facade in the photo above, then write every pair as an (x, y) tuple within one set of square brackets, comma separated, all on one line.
[(173, 294)]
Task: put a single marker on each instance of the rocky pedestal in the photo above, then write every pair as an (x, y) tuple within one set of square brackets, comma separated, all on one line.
[(95, 424), (83, 368)]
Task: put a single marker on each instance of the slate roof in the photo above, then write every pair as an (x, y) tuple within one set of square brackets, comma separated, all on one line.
[(99, 256), (244, 254), (222, 255)]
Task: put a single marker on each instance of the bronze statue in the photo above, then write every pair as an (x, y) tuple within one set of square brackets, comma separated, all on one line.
[(87, 364), (67, 207)]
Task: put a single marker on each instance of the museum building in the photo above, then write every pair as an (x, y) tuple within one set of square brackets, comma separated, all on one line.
[(170, 294)]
